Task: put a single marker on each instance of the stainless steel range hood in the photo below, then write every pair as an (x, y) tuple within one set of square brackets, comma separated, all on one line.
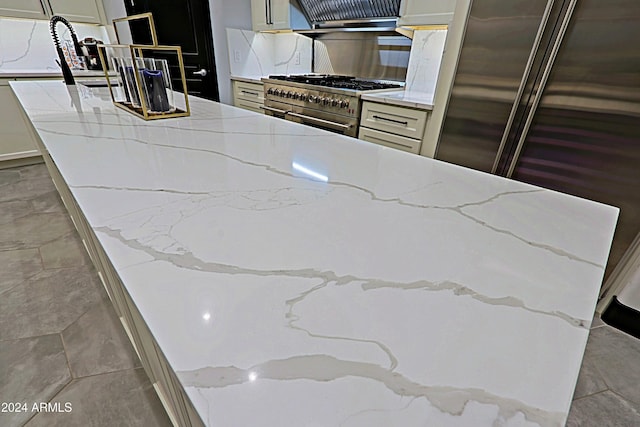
[(350, 13)]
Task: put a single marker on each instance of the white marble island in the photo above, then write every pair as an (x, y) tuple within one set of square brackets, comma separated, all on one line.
[(294, 277)]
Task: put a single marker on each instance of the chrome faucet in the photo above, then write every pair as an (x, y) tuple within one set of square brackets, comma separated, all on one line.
[(66, 71)]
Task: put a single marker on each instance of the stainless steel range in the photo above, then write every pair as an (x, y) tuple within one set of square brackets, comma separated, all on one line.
[(324, 101)]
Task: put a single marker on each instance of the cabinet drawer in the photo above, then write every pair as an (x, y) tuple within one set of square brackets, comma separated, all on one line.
[(251, 106), (253, 92), (397, 120), (390, 140)]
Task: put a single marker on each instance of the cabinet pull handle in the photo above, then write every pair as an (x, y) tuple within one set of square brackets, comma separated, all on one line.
[(267, 12), (44, 7), (400, 122), (249, 93), (320, 121), (275, 110)]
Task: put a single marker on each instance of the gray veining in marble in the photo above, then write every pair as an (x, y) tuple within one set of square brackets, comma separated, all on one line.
[(27, 43), (114, 399), (258, 54), (457, 209), (605, 409), (327, 368), (187, 260), (48, 302), (97, 344), (31, 370), (18, 266), (512, 377), (461, 209), (21, 55)]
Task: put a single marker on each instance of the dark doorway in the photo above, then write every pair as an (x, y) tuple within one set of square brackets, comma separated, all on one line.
[(185, 23)]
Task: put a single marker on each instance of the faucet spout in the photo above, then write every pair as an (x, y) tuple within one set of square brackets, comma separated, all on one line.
[(66, 71)]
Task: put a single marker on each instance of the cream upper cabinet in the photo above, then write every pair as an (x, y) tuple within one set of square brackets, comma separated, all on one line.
[(33, 9), (423, 12), (76, 10), (270, 15), (73, 10)]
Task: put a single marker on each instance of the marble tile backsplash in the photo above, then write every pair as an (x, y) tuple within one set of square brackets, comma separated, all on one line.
[(253, 54), (26, 44), (424, 63)]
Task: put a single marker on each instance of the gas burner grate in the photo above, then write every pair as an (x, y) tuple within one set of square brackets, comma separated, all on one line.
[(363, 85), (336, 81)]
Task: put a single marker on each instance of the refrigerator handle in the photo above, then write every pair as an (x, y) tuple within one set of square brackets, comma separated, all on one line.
[(523, 84), (543, 83)]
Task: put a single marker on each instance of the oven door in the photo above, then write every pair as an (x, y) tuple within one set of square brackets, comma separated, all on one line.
[(322, 120), (276, 109)]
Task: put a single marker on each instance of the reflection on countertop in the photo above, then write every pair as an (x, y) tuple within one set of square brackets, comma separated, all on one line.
[(36, 73)]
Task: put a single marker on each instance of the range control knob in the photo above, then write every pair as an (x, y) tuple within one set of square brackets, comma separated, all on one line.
[(276, 92), (303, 96), (326, 101), (345, 104), (312, 98), (334, 102), (270, 91)]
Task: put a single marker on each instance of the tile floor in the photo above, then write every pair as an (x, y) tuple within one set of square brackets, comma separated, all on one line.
[(60, 339), (61, 342)]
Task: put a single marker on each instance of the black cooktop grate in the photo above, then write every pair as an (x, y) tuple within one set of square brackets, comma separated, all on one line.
[(336, 81)]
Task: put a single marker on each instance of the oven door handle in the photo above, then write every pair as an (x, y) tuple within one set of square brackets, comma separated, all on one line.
[(320, 121), (275, 110)]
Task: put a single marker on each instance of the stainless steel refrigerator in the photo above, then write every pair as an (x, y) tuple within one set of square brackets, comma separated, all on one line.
[(548, 92)]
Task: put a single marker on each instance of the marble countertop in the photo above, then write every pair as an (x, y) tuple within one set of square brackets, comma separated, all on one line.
[(248, 79), (402, 98), (295, 277)]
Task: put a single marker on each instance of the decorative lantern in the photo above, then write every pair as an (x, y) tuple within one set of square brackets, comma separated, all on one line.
[(143, 84)]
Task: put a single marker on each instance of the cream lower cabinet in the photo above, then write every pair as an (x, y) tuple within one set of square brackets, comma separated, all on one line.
[(393, 126), (17, 141), (249, 96)]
